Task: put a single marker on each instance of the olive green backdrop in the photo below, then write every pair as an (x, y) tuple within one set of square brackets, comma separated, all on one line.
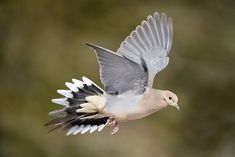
[(41, 47)]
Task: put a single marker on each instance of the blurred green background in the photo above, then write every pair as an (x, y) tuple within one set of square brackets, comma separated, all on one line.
[(41, 47)]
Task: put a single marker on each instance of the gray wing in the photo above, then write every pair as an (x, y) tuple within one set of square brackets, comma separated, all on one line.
[(120, 74), (151, 41)]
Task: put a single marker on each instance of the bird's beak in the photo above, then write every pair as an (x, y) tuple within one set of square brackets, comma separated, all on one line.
[(177, 107)]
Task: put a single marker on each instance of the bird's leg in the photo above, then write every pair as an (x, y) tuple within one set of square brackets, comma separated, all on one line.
[(111, 122), (114, 124), (115, 129)]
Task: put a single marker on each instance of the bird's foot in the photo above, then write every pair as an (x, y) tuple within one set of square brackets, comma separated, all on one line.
[(114, 124), (115, 129)]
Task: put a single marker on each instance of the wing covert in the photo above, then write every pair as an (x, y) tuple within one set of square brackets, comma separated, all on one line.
[(120, 74)]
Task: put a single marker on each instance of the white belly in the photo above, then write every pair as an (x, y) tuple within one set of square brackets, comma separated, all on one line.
[(124, 107)]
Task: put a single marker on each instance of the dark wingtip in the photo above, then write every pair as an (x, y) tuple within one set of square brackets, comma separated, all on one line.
[(90, 45), (86, 43), (94, 47)]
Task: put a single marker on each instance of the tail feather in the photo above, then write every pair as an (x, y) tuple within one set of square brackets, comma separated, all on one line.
[(78, 114)]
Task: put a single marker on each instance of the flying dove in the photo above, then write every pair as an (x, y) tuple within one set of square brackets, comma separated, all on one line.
[(127, 76)]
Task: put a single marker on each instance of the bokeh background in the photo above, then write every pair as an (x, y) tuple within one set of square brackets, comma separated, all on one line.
[(41, 47)]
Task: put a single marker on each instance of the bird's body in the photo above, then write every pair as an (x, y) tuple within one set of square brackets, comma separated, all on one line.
[(127, 76), (115, 104), (136, 106)]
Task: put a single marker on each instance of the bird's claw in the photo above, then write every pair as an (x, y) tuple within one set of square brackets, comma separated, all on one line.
[(114, 124), (115, 129)]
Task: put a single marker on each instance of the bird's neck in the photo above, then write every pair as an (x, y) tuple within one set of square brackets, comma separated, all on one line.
[(152, 100)]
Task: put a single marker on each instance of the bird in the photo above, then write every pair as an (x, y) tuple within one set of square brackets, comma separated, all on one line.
[(127, 75)]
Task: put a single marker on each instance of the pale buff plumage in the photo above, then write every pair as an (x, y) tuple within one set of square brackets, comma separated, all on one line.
[(151, 101), (127, 76)]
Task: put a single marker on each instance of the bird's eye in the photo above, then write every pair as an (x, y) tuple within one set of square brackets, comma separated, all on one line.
[(170, 97)]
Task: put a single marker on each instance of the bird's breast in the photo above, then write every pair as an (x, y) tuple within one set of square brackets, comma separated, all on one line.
[(123, 107)]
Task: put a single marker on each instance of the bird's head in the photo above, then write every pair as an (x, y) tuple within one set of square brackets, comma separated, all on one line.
[(171, 99)]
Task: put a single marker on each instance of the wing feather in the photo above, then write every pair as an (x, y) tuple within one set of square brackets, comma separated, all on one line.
[(151, 41), (120, 74)]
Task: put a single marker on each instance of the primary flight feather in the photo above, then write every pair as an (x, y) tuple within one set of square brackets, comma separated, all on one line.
[(127, 75)]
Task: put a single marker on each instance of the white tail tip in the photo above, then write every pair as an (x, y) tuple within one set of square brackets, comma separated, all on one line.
[(66, 93), (87, 81), (61, 101), (71, 86)]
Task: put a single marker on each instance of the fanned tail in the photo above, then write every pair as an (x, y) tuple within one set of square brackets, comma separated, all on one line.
[(79, 114)]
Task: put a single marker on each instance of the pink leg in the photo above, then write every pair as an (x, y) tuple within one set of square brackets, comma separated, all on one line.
[(115, 129), (114, 124)]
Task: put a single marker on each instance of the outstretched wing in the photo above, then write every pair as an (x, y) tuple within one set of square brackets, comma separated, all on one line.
[(151, 41), (120, 74)]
